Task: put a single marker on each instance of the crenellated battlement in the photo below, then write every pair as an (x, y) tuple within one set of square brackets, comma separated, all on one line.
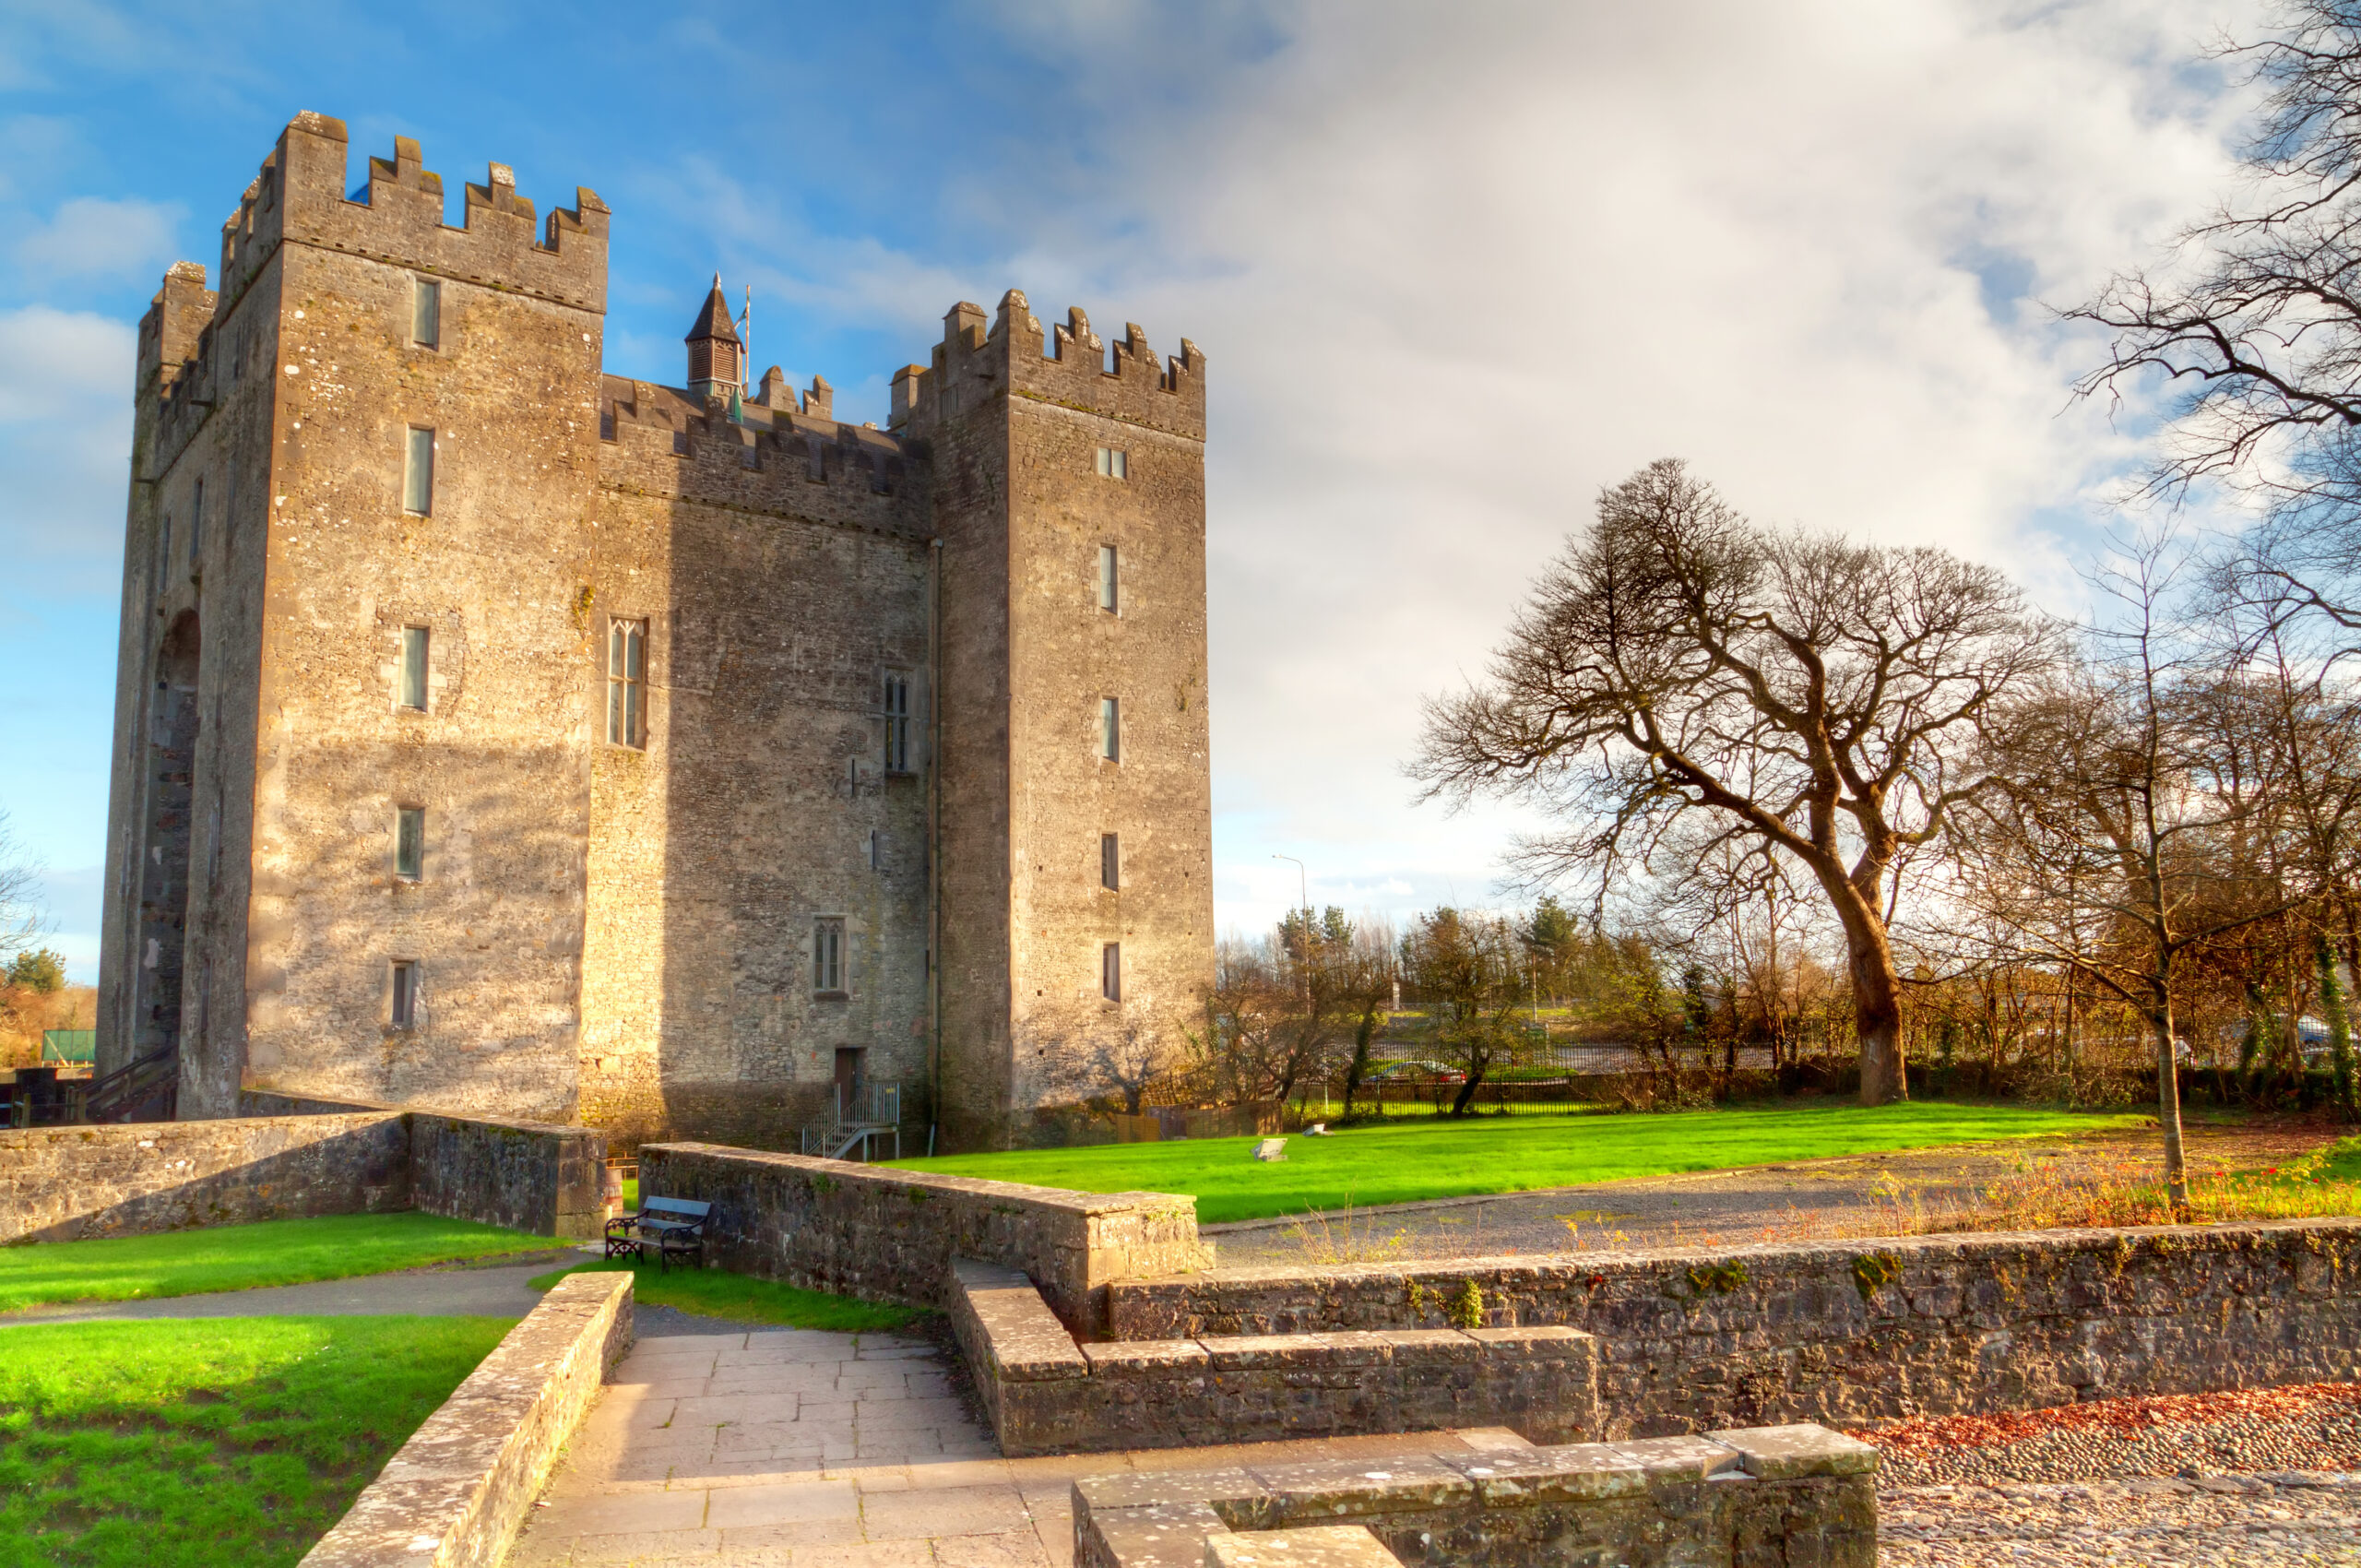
[(1068, 366), (767, 463), (395, 217)]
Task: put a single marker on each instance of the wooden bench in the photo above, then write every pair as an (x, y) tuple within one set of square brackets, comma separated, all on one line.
[(670, 1227)]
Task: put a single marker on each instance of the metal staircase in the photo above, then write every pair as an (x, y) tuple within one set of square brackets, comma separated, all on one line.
[(858, 1115)]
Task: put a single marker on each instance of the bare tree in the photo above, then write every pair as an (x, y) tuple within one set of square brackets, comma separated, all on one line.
[(1465, 969), (2121, 843), (22, 923), (1679, 662), (2254, 318)]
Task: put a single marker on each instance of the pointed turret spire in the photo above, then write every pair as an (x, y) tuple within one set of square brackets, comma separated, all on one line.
[(717, 357)]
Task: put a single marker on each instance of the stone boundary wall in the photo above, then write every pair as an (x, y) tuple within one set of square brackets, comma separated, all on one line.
[(891, 1235), (136, 1178), (532, 1176), (456, 1492), (132, 1178), (1800, 1496), (546, 1178), (1044, 1394), (1853, 1333)]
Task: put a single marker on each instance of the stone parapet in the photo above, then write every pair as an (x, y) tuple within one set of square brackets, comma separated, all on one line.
[(456, 1492), (132, 1179), (136, 1178), (1856, 1332), (891, 1235), (1801, 1496), (1046, 1395)]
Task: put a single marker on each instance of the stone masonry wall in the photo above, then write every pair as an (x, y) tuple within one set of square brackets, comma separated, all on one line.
[(780, 568), (72, 1184), (1046, 1395), (1028, 655), (1856, 1331), (495, 571), (891, 1235), (533, 1176), (77, 1183), (1797, 1496), (455, 1494)]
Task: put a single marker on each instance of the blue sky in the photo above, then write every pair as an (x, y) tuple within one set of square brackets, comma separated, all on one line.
[(1454, 268)]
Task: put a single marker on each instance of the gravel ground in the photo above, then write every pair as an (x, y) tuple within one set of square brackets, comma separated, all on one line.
[(2280, 1517), (1837, 1197), (2268, 1476)]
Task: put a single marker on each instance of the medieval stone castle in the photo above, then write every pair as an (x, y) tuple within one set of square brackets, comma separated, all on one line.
[(499, 734)]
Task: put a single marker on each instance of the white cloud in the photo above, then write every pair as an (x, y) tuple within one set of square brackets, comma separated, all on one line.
[(94, 238), (1454, 270), (65, 432)]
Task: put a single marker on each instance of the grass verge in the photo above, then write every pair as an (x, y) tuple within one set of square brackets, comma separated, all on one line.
[(242, 1258), (714, 1292), (195, 1443), (1439, 1158), (2326, 1182)]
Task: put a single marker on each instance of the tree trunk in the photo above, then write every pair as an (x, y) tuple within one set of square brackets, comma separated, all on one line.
[(2168, 1110), (1358, 1068), (1877, 1017), (1876, 990)]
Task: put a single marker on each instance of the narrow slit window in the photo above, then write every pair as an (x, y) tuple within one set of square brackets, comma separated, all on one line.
[(876, 849), (1110, 971), (1110, 862), (164, 553), (414, 648), (410, 842), (1107, 599), (197, 523), (897, 723), (829, 956), (418, 473), (627, 682), (426, 313), (1113, 463), (1111, 729), (404, 999)]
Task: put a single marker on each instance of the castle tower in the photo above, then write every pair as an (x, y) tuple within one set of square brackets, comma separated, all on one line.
[(716, 356), (1076, 904), (346, 838)]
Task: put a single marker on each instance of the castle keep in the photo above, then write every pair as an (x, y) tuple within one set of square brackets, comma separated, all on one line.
[(499, 734)]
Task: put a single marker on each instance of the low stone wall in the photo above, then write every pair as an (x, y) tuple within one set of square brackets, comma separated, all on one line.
[(545, 1177), (1854, 1333), (531, 1176), (1799, 1496), (136, 1178), (131, 1179), (890, 1235), (456, 1494), (1044, 1394)]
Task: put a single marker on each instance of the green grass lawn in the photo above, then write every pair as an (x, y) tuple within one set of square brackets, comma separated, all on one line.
[(714, 1292), (193, 1444), (1402, 1162), (240, 1257)]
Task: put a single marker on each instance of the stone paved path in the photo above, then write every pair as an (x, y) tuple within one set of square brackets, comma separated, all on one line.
[(790, 1448)]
